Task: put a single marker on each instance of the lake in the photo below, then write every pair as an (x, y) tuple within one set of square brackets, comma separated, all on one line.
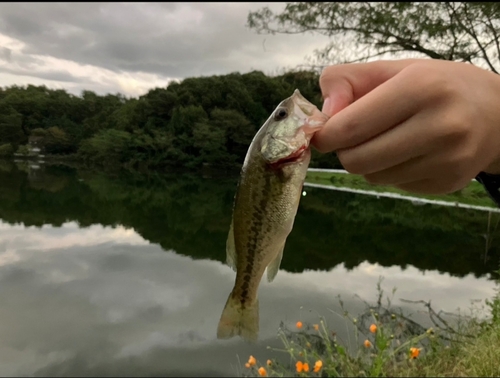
[(124, 274)]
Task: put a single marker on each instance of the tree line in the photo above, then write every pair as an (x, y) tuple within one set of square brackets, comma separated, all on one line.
[(191, 215), (189, 124)]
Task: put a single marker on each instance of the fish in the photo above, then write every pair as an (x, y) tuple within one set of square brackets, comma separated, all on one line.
[(266, 202)]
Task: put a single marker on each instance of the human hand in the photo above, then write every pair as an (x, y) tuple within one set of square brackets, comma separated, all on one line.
[(425, 126)]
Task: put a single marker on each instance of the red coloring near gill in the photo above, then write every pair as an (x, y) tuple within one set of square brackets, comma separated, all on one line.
[(289, 159)]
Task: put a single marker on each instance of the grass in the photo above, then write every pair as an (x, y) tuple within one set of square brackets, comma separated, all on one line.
[(389, 344), (473, 194)]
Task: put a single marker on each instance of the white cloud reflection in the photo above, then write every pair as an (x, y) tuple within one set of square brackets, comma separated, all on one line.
[(102, 300)]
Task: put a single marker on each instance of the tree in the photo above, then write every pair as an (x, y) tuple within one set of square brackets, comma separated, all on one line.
[(459, 31), (11, 127), (237, 132), (107, 147), (56, 141)]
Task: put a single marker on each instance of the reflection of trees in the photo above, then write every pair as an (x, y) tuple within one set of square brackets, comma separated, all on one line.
[(191, 215)]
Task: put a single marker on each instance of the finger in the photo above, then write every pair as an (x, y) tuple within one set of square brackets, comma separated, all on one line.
[(426, 186), (415, 169), (345, 83), (408, 140), (387, 105), (432, 186)]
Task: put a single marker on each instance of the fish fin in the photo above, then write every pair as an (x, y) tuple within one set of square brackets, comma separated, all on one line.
[(231, 249), (274, 266), (238, 319)]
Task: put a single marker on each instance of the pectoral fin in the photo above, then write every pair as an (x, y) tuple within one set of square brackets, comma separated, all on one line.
[(274, 266), (231, 249)]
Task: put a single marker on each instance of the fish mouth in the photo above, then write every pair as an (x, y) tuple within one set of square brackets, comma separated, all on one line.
[(302, 105), (292, 158)]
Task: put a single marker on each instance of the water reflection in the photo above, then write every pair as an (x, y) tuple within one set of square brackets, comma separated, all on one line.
[(105, 301), (104, 275), (191, 215)]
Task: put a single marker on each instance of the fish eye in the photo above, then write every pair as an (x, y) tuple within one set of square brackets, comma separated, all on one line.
[(280, 114)]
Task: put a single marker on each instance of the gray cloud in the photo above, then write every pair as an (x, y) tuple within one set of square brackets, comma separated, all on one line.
[(169, 39), (6, 54), (61, 75)]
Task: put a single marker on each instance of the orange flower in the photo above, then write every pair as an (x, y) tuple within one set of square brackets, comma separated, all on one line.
[(247, 365), (318, 365), (316, 327), (269, 362), (367, 343), (262, 372), (414, 352), (299, 366), (252, 361), (299, 324), (373, 328), (306, 366)]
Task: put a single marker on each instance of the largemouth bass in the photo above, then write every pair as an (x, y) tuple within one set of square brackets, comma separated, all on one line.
[(265, 206)]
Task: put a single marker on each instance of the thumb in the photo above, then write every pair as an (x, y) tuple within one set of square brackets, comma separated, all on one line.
[(343, 84)]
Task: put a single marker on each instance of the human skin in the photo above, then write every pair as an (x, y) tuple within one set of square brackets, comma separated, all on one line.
[(422, 125)]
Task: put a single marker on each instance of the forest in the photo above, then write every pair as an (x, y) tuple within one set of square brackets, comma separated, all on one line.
[(203, 121)]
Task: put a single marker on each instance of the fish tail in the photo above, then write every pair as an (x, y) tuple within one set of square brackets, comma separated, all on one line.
[(239, 319)]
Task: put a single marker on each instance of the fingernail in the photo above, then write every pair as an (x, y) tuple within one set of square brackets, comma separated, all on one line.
[(327, 105)]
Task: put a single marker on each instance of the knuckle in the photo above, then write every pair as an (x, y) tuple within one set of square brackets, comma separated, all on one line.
[(325, 77), (373, 179), (327, 74), (462, 162), (323, 148), (437, 84), (345, 133), (455, 128), (457, 174), (351, 162), (348, 131), (455, 183)]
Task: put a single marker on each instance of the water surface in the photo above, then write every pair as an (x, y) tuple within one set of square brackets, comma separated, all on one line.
[(123, 274)]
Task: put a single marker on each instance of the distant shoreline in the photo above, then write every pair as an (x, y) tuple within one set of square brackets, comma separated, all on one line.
[(473, 196)]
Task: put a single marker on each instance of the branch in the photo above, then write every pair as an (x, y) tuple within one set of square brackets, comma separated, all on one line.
[(496, 37), (455, 40), (321, 67), (410, 45), (472, 32)]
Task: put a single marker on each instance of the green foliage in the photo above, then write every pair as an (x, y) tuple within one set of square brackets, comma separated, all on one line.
[(206, 121), (387, 342), (462, 31), (6, 150), (182, 212), (56, 141), (23, 150), (472, 194), (106, 147), (11, 126), (39, 132)]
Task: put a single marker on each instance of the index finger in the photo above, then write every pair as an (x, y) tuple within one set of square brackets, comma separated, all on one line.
[(364, 100)]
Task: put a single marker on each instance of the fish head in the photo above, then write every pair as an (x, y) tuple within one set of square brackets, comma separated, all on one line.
[(289, 130)]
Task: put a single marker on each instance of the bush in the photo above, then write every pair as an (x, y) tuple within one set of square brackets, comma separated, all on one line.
[(56, 141), (6, 150), (39, 132), (23, 150), (106, 147)]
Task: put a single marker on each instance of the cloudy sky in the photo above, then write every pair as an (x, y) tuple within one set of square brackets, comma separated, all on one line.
[(131, 47)]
